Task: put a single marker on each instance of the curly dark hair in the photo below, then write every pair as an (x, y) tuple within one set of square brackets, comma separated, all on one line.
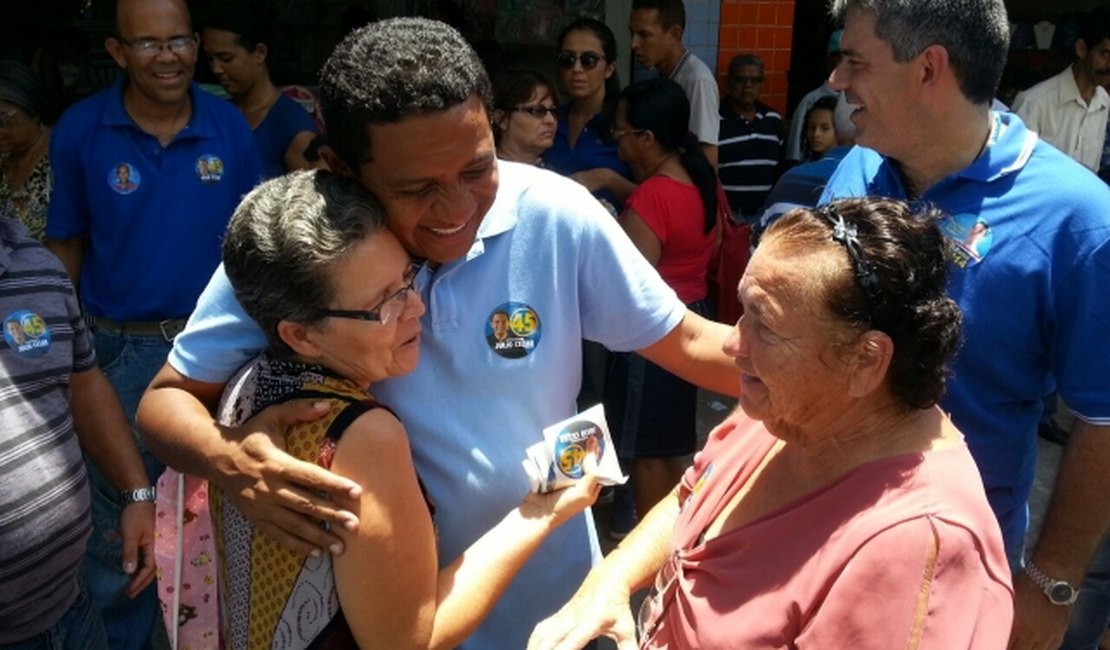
[(393, 69), (903, 253)]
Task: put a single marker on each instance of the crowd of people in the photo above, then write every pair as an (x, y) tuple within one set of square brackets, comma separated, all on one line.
[(269, 380)]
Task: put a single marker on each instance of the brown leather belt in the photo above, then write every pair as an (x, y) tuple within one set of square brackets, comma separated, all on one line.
[(168, 329)]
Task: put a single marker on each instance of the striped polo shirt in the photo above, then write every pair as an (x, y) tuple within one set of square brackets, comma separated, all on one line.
[(748, 154), (44, 494)]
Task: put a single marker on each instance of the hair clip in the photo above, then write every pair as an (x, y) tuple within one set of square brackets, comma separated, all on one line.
[(846, 234)]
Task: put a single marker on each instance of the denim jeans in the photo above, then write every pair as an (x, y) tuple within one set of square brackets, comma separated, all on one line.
[(129, 362), (80, 628)]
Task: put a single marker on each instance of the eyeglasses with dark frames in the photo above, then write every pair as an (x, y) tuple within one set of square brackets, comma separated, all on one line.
[(539, 112), (589, 60), (386, 311), (616, 134), (148, 48)]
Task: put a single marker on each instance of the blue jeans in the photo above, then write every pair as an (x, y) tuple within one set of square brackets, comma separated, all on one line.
[(1091, 614), (129, 362), (80, 628)]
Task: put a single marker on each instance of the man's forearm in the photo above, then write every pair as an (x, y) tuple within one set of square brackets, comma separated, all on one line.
[(103, 431), (1079, 511), (177, 426)]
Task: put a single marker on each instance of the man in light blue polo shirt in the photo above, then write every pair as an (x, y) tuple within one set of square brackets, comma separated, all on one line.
[(500, 239), (1028, 235), (146, 176)]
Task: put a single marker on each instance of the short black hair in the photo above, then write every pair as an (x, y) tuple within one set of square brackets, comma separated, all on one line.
[(1095, 27), (671, 12), (393, 69)]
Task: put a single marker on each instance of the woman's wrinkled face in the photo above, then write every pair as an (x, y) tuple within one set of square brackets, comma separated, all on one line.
[(524, 131), (369, 275), (581, 81), (785, 344)]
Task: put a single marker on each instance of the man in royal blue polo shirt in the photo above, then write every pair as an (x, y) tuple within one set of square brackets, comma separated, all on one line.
[(1028, 237), (146, 176)]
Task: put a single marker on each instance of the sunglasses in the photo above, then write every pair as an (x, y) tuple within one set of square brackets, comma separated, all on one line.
[(589, 60), (539, 112)]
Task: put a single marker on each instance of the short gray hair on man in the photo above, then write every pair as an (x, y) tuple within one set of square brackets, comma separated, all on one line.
[(976, 34), (741, 60), (284, 240)]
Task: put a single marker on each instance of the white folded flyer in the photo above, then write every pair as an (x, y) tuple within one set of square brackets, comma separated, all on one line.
[(568, 448)]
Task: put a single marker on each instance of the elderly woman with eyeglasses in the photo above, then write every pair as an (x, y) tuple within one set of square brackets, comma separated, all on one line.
[(587, 61), (523, 115), (339, 301), (25, 119), (838, 507)]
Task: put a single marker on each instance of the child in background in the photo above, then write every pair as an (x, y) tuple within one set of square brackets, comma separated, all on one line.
[(819, 133)]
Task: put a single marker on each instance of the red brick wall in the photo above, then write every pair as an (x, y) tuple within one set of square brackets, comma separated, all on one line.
[(766, 28)]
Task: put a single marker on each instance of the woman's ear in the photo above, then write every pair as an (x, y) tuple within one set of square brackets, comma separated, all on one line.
[(260, 52), (298, 337), (609, 70), (868, 360), (500, 119)]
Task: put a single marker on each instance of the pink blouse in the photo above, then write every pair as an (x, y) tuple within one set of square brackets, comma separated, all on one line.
[(848, 566)]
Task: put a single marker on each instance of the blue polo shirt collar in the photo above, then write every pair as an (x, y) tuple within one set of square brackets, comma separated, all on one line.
[(199, 126), (502, 216)]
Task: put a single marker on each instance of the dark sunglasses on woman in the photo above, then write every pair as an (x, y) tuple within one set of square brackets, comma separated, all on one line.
[(589, 60)]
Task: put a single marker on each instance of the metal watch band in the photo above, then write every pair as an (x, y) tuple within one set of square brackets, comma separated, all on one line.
[(1059, 592), (141, 495)]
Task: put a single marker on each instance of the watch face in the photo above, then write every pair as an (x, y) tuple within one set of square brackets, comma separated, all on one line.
[(1061, 593)]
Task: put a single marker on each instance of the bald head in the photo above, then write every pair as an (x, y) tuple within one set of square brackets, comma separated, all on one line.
[(128, 12)]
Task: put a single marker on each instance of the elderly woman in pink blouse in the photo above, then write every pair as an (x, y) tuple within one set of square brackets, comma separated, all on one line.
[(838, 507)]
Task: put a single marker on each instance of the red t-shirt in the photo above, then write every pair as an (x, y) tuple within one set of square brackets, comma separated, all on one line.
[(674, 212)]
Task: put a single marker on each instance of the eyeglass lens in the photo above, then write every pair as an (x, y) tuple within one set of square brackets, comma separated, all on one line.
[(539, 111), (589, 60)]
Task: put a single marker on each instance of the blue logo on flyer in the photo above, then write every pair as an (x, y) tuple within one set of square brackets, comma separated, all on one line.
[(513, 330), (26, 333), (968, 239), (210, 169), (577, 440), (123, 178)]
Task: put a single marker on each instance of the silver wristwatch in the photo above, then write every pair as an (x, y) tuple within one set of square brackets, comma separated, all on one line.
[(142, 495), (1059, 592)]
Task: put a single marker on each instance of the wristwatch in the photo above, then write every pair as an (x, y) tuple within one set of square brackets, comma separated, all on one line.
[(1059, 592), (141, 495)]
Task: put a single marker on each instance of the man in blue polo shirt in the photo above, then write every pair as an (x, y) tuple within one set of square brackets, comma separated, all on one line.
[(146, 176), (514, 253), (1028, 236)]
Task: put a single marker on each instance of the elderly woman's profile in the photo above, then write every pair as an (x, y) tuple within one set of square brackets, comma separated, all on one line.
[(339, 300), (838, 506)]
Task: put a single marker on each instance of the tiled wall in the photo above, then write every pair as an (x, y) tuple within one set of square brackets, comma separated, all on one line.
[(703, 30), (764, 27)]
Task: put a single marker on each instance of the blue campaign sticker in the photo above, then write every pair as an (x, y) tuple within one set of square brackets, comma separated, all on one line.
[(577, 440), (123, 178), (26, 333), (210, 169), (968, 239), (513, 330)]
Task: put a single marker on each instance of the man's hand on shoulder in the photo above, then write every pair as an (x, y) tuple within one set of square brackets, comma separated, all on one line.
[(285, 497)]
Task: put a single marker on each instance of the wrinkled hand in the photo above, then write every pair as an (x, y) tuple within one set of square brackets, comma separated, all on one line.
[(1038, 624), (281, 495), (136, 525), (594, 611)]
